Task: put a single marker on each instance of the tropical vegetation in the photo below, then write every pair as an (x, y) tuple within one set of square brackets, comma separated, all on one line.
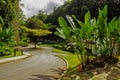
[(13, 32), (7, 18), (93, 37), (88, 29)]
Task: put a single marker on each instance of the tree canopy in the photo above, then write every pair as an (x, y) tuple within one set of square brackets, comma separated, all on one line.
[(34, 34), (7, 12), (80, 7), (35, 23)]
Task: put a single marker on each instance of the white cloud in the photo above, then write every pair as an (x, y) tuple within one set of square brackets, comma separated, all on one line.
[(31, 7)]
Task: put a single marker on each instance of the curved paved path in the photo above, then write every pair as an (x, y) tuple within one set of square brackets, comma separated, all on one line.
[(43, 65)]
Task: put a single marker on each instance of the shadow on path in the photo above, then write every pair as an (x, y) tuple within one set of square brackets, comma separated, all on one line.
[(58, 71)]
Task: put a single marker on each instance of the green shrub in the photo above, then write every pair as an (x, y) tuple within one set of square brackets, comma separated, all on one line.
[(5, 49), (24, 44), (24, 41)]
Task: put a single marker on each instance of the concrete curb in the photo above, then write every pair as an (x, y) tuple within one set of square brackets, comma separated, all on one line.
[(6, 60), (65, 63)]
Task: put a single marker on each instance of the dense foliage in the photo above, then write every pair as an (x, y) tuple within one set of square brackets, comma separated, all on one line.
[(35, 23), (93, 37), (7, 12), (77, 8), (7, 18), (6, 41), (80, 7)]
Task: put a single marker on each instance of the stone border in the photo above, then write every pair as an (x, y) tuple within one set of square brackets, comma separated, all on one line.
[(65, 62), (24, 56)]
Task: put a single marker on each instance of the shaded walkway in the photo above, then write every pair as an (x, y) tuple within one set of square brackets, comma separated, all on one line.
[(43, 65)]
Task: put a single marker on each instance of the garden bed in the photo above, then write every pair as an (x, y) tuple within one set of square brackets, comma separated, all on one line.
[(18, 53), (73, 61)]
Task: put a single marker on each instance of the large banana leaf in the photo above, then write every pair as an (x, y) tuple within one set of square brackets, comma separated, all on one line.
[(87, 18), (60, 33), (64, 26), (79, 22), (105, 10), (81, 28), (1, 21), (90, 30), (112, 25), (71, 22)]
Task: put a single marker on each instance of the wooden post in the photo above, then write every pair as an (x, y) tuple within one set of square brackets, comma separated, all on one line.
[(15, 50)]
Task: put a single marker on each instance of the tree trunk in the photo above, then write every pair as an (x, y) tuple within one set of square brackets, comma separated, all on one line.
[(16, 22), (35, 42)]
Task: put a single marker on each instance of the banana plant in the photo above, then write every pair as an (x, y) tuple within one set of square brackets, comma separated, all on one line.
[(79, 33), (113, 33), (63, 31), (101, 32), (105, 34), (85, 33)]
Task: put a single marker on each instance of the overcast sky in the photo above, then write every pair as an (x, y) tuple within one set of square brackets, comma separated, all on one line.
[(31, 7)]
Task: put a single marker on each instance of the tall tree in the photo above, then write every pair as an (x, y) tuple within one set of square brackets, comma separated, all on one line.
[(16, 21), (35, 23), (35, 33), (80, 7)]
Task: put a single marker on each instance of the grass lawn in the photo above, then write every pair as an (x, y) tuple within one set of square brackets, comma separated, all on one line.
[(19, 53), (48, 45), (70, 58)]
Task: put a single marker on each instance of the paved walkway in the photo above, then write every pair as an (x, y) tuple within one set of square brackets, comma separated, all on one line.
[(43, 65)]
